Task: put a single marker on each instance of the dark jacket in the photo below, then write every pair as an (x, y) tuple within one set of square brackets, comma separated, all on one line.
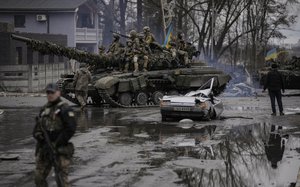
[(274, 81), (64, 124)]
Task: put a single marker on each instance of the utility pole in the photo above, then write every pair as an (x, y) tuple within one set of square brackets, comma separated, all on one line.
[(213, 19)]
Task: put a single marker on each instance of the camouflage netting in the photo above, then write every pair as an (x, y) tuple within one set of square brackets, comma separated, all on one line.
[(71, 53)]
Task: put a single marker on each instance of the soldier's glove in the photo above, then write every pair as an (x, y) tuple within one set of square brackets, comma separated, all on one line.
[(39, 136)]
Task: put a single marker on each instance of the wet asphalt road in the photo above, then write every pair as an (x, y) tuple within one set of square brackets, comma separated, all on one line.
[(131, 147)]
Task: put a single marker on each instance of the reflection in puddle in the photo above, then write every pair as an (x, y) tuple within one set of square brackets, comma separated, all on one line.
[(249, 160), (275, 145)]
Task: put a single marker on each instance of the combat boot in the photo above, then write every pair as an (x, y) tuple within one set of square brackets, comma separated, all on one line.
[(145, 66)]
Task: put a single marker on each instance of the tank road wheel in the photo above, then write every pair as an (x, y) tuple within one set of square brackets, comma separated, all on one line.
[(125, 98), (141, 98), (156, 96)]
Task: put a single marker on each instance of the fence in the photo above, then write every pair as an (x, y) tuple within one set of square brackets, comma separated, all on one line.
[(30, 78)]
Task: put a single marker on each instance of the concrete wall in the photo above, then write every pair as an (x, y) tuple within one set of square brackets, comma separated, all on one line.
[(30, 78)]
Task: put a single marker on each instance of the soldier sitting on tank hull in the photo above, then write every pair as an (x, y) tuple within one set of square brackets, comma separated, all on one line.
[(114, 51), (148, 36), (181, 50), (137, 51), (128, 56), (144, 52)]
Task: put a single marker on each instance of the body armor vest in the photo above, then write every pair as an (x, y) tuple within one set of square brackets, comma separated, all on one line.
[(50, 117)]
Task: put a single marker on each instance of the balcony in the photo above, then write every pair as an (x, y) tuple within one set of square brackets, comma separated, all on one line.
[(86, 35)]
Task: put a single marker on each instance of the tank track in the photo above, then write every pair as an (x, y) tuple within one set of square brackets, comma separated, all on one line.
[(116, 104), (109, 100), (69, 98)]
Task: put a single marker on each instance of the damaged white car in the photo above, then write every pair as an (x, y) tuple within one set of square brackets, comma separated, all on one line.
[(200, 104)]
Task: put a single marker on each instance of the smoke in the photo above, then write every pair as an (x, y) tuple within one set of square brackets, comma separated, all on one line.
[(242, 84)]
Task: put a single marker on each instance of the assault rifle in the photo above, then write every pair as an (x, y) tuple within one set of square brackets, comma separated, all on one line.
[(122, 35), (54, 157)]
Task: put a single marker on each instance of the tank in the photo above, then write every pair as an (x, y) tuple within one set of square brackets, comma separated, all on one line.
[(290, 71), (166, 76)]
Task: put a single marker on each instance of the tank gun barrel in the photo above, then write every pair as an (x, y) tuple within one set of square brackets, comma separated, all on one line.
[(46, 47), (20, 38)]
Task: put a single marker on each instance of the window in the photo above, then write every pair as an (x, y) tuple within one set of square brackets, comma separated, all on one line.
[(29, 56), (19, 20), (18, 55)]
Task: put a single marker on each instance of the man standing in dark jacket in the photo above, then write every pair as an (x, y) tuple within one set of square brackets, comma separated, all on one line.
[(54, 128), (274, 83)]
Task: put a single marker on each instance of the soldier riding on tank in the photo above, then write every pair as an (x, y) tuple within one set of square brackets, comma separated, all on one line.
[(115, 50), (148, 36), (128, 56), (138, 53), (181, 48)]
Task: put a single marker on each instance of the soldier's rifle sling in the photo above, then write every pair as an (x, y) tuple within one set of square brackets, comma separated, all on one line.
[(54, 157)]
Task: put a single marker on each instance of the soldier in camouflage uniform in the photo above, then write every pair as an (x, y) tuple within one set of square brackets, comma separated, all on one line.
[(128, 55), (148, 36), (138, 52), (81, 80), (56, 119), (144, 51), (115, 50), (102, 51), (181, 48)]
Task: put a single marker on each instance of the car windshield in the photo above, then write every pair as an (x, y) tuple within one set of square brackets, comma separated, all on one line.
[(203, 91)]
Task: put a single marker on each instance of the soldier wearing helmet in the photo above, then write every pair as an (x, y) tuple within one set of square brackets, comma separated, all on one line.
[(148, 36), (181, 48), (115, 50), (144, 51), (128, 55), (136, 49)]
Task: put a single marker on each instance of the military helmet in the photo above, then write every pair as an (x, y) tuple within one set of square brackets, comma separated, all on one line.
[(132, 33), (146, 29), (116, 36), (173, 44), (101, 48), (180, 35)]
